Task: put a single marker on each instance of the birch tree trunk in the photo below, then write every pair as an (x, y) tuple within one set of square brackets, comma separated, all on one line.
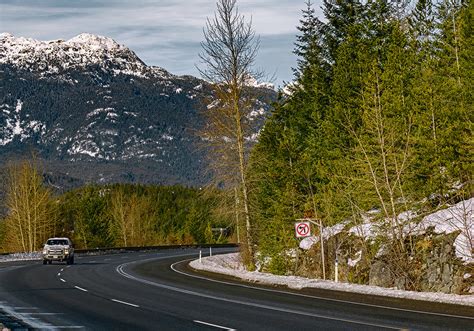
[(229, 52)]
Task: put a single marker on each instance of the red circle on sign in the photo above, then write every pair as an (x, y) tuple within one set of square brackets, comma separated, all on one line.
[(302, 229)]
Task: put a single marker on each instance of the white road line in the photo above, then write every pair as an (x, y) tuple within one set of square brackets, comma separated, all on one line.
[(31, 321), (80, 288), (317, 297), (120, 270), (42, 313), (214, 325), (59, 274), (62, 280), (92, 261), (62, 269), (67, 327), (126, 303)]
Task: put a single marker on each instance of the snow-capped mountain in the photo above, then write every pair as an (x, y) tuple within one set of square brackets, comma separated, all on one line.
[(55, 56), (93, 110)]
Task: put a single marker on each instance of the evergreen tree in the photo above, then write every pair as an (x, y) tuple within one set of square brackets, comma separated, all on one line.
[(379, 117), (454, 99), (341, 17), (283, 153)]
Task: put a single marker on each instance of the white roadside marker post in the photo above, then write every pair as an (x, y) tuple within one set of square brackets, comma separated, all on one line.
[(336, 276), (200, 256), (210, 251)]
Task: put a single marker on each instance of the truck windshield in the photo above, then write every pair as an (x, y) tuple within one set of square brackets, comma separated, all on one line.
[(56, 242)]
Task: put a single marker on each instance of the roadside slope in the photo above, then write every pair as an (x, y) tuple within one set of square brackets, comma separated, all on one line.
[(229, 264)]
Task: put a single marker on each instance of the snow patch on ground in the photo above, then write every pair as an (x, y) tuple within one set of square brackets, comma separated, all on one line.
[(21, 257), (328, 232), (459, 217), (230, 264), (353, 262)]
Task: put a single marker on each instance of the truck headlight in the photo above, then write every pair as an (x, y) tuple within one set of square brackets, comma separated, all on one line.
[(66, 251), (45, 251)]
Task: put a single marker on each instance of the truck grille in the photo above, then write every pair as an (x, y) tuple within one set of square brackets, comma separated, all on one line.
[(55, 251)]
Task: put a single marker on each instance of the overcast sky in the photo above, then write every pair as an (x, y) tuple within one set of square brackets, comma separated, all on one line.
[(165, 33)]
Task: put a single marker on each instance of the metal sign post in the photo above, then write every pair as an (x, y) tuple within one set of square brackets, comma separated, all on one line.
[(320, 224)]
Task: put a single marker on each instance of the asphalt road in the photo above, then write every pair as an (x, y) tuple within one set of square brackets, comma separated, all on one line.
[(157, 291)]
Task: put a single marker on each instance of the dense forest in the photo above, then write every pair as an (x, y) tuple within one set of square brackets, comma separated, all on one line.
[(116, 215), (379, 118)]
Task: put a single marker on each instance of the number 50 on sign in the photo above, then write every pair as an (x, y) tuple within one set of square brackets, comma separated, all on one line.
[(302, 229)]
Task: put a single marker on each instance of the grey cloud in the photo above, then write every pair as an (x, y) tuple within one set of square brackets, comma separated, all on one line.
[(162, 32)]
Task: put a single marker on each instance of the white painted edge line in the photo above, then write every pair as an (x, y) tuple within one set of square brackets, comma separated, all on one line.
[(68, 327), (62, 280), (33, 322), (120, 270), (62, 269), (59, 274), (316, 297), (214, 325), (82, 289), (42, 313), (126, 303)]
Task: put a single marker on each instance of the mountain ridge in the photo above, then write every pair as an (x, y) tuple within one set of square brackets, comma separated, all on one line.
[(90, 102)]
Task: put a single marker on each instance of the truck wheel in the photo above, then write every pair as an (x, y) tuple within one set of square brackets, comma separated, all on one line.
[(45, 261), (71, 261), (49, 261)]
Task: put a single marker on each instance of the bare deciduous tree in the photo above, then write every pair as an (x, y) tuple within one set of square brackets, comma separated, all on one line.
[(131, 219), (31, 211), (229, 51), (120, 223)]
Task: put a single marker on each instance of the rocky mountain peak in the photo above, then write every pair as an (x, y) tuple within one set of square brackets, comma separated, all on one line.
[(95, 42), (57, 56)]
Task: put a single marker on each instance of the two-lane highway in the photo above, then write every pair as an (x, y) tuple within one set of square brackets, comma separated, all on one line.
[(156, 290)]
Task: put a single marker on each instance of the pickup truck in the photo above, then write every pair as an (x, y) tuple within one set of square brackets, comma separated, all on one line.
[(58, 249)]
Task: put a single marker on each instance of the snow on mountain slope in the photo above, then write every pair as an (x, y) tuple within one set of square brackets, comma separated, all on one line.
[(15, 125), (55, 56), (90, 100)]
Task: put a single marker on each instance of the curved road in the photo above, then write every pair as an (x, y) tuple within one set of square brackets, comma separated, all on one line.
[(156, 290)]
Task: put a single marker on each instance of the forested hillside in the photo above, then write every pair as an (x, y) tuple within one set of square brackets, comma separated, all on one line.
[(377, 128), (94, 216), (94, 112)]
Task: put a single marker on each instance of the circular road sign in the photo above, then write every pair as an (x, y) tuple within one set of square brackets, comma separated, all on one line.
[(302, 229)]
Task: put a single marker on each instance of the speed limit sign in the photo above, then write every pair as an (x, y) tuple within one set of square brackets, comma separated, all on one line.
[(302, 229)]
